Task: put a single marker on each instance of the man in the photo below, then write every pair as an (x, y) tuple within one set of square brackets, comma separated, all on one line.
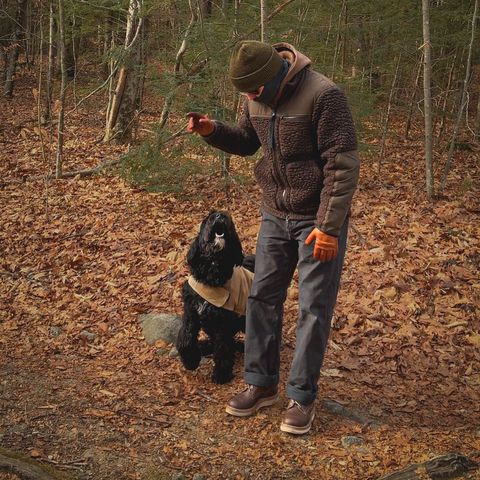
[(308, 175)]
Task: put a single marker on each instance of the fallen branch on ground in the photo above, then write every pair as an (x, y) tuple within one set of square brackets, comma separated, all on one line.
[(24, 469), (446, 466)]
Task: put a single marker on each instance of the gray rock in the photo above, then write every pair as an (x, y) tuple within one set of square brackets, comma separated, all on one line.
[(199, 476), (55, 331), (173, 353), (349, 440), (89, 336), (178, 476), (160, 326)]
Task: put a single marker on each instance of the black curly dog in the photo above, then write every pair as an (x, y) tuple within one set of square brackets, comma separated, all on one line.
[(211, 258)]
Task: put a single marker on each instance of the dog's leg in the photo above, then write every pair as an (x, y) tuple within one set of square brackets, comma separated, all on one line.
[(239, 346), (187, 339), (223, 358), (206, 347)]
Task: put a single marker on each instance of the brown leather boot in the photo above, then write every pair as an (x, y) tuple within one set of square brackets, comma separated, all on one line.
[(251, 399), (298, 419)]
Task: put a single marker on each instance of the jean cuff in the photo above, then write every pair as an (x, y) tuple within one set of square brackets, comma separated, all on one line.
[(301, 396), (259, 380)]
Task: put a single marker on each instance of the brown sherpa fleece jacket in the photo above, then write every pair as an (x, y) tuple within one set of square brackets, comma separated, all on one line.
[(310, 165)]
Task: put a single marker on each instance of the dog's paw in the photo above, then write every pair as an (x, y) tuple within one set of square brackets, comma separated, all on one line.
[(222, 376), (190, 358)]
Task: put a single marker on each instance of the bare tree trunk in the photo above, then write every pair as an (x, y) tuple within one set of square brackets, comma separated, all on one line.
[(338, 40), (17, 36), (51, 67), (387, 117), (63, 87), (302, 15), (262, 20), (327, 39), (178, 62), (427, 71), (445, 97), (463, 100), (28, 37), (122, 112), (236, 10), (408, 123), (344, 38)]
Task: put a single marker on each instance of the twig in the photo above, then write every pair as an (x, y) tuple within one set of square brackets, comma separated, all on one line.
[(360, 236), (207, 397), (104, 84), (42, 415)]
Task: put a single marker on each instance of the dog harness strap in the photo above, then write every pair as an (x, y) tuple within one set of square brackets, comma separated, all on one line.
[(232, 296)]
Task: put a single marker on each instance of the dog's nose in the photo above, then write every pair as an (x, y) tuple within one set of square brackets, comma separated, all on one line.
[(218, 216)]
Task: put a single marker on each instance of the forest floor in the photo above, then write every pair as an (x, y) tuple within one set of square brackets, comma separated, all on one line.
[(90, 255)]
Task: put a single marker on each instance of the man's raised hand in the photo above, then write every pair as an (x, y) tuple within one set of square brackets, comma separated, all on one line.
[(199, 123)]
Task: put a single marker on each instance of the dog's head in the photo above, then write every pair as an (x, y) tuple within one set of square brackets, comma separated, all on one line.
[(215, 250)]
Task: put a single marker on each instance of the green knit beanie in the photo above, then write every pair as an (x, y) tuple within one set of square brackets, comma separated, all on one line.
[(253, 64)]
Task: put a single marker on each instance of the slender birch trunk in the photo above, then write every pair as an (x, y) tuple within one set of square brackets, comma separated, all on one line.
[(63, 87), (427, 71), (123, 112), (463, 101), (262, 20), (445, 97), (387, 116), (408, 123), (337, 42)]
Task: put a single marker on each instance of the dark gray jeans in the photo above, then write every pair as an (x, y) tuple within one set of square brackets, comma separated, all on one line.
[(280, 248)]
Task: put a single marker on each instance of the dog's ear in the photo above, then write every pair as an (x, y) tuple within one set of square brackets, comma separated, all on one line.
[(193, 255), (235, 247)]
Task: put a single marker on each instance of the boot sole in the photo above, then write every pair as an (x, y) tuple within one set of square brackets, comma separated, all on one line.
[(284, 427), (247, 412)]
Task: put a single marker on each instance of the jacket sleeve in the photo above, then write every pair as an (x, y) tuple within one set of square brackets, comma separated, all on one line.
[(337, 146), (240, 139)]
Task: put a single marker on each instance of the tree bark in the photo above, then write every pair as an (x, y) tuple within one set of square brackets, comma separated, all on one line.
[(463, 101), (63, 87), (408, 123), (450, 465), (51, 64), (24, 469), (445, 97), (427, 71), (17, 37), (123, 112), (178, 62), (262, 20), (387, 117), (337, 49)]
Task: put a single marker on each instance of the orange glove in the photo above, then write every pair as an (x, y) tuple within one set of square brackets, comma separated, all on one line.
[(326, 246), (201, 124)]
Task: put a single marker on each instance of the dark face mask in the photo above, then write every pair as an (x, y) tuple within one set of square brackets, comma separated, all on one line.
[(270, 89)]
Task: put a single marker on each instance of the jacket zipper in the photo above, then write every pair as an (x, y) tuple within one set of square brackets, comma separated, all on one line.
[(276, 171)]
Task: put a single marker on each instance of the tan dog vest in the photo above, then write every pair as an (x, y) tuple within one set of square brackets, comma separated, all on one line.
[(231, 296)]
